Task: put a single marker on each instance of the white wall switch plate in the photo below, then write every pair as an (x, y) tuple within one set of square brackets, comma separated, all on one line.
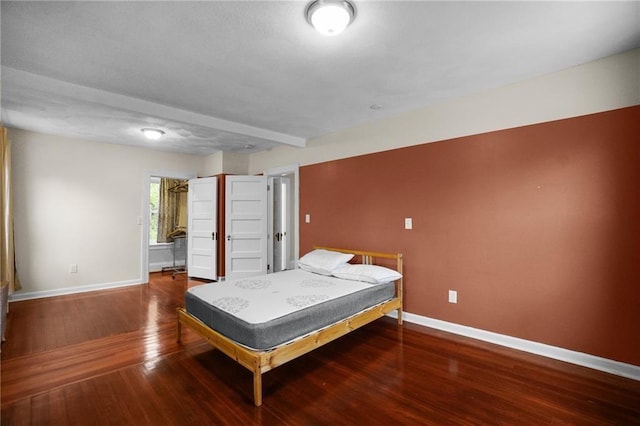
[(73, 268), (453, 296), (307, 218), (408, 223)]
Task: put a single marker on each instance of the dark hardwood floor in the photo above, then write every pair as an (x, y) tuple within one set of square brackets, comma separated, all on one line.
[(111, 357)]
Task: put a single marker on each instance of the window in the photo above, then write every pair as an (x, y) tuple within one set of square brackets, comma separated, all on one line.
[(154, 202)]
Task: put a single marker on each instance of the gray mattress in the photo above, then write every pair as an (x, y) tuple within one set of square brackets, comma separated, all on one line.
[(269, 334)]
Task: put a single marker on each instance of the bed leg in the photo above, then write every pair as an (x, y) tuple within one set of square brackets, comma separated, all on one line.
[(179, 335), (257, 388), (399, 316)]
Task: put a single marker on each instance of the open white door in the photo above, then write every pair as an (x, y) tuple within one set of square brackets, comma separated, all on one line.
[(202, 222), (245, 226)]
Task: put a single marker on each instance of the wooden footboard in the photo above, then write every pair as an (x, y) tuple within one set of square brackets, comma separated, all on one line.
[(260, 362)]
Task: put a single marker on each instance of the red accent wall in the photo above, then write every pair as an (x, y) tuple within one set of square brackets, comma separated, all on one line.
[(536, 227)]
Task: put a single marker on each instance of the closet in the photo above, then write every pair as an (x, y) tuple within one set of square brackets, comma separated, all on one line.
[(240, 226)]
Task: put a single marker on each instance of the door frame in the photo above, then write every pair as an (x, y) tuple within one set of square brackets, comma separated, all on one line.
[(292, 169), (144, 220)]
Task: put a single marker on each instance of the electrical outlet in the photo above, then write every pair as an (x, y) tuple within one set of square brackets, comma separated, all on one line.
[(73, 268), (408, 223), (453, 296)]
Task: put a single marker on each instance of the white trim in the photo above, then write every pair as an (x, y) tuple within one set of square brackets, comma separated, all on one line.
[(72, 290), (144, 243), (579, 358)]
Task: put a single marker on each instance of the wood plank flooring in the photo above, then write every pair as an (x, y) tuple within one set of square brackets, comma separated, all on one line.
[(111, 357)]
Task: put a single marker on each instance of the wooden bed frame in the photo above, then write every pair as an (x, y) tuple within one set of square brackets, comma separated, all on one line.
[(260, 362)]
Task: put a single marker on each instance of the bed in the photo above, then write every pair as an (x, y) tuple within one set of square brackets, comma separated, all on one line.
[(329, 301)]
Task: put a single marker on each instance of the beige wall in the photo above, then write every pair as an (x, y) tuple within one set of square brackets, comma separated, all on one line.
[(213, 165), (79, 202), (602, 85), (231, 163)]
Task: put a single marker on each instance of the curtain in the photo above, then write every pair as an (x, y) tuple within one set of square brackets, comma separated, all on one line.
[(167, 208), (8, 276)]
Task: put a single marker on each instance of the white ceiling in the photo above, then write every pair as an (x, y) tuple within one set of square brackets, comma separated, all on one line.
[(246, 76)]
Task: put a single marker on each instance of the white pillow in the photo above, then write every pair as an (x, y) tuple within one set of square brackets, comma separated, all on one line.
[(323, 262), (368, 273)]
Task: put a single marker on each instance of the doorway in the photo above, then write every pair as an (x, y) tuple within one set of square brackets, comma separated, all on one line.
[(283, 245), (292, 219), (145, 219)]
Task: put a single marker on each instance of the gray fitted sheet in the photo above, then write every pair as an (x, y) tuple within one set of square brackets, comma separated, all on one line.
[(267, 335)]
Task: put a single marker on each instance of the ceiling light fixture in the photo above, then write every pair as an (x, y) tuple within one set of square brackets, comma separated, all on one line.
[(152, 134), (330, 17)]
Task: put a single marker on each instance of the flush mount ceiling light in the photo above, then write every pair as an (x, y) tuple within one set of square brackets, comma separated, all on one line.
[(152, 134), (330, 17)]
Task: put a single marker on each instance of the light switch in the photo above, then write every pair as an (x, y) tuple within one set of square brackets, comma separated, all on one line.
[(307, 218), (408, 223)]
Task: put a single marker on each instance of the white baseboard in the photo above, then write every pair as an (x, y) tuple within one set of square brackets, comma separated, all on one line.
[(71, 290), (158, 266), (591, 361)]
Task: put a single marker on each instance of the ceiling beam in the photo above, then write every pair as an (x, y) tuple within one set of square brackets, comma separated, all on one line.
[(14, 77)]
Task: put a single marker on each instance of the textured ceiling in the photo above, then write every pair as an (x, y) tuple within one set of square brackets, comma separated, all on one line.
[(247, 76)]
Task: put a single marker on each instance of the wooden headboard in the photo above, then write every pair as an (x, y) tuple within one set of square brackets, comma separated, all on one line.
[(368, 257)]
